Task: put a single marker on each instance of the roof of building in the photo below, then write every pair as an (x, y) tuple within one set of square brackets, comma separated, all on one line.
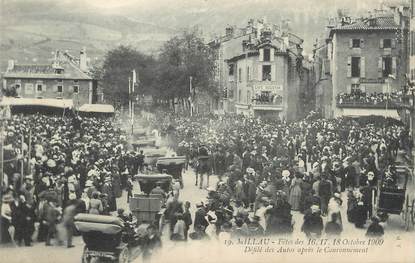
[(38, 71), (54, 103), (376, 23)]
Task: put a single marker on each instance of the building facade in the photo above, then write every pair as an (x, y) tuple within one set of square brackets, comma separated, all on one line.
[(408, 96), (260, 72), (366, 63), (66, 78)]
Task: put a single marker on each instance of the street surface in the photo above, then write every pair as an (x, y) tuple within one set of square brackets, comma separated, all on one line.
[(196, 251)]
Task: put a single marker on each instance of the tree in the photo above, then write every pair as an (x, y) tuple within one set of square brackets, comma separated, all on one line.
[(117, 68), (182, 57), (9, 91)]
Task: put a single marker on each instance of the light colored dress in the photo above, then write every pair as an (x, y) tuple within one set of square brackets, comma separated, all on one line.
[(295, 193), (95, 206)]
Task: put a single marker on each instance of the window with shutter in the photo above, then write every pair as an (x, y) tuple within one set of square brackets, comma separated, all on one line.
[(349, 67), (394, 72), (381, 43), (267, 54), (380, 70), (259, 72), (387, 66), (350, 43), (261, 54), (356, 67), (76, 89), (356, 43), (271, 54), (362, 43), (266, 72), (387, 43), (362, 67), (393, 43), (59, 88), (39, 87), (273, 77)]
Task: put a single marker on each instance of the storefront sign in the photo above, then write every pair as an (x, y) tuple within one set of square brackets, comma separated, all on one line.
[(267, 87), (371, 81)]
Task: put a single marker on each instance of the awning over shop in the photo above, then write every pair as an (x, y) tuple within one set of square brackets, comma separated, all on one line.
[(98, 108), (54, 103), (357, 112)]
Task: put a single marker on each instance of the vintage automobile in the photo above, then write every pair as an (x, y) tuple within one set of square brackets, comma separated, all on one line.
[(108, 237), (147, 207), (392, 195), (144, 143), (172, 166)]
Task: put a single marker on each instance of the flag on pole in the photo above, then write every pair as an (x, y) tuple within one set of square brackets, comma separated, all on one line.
[(134, 79)]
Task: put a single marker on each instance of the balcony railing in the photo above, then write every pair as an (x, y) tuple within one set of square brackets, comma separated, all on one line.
[(375, 101), (275, 102)]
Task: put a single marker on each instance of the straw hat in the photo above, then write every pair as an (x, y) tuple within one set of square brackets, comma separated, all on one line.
[(7, 198)]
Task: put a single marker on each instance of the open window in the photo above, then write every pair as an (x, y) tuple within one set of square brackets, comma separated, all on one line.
[(355, 67), (266, 72), (267, 54), (386, 66)]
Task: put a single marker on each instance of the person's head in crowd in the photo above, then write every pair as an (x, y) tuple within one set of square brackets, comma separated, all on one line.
[(95, 195)]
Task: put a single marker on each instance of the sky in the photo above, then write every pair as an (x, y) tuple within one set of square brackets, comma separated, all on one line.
[(120, 6)]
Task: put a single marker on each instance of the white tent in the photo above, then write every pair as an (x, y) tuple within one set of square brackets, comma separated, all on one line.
[(55, 103), (100, 108)]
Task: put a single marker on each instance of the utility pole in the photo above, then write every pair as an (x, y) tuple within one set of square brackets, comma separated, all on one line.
[(191, 95), (129, 100), (132, 100)]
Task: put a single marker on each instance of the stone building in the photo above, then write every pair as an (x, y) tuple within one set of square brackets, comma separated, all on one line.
[(260, 71), (366, 61), (65, 78)]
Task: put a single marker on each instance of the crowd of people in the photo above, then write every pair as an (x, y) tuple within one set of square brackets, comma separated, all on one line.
[(267, 169), (359, 97), (267, 97), (56, 167)]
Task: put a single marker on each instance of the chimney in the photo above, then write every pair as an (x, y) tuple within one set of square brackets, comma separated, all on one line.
[(10, 64), (229, 31), (83, 65)]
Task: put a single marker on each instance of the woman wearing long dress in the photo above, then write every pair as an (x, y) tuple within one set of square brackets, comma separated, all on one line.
[(295, 193), (334, 208), (6, 228), (95, 204)]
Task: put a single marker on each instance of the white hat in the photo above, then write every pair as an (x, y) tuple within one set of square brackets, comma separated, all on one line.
[(285, 173), (30, 177), (315, 208), (72, 196), (88, 183), (250, 170), (71, 179), (51, 163)]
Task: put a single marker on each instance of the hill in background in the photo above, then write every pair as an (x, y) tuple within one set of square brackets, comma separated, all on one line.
[(31, 30)]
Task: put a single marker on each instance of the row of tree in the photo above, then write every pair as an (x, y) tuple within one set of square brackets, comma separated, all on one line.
[(165, 77)]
